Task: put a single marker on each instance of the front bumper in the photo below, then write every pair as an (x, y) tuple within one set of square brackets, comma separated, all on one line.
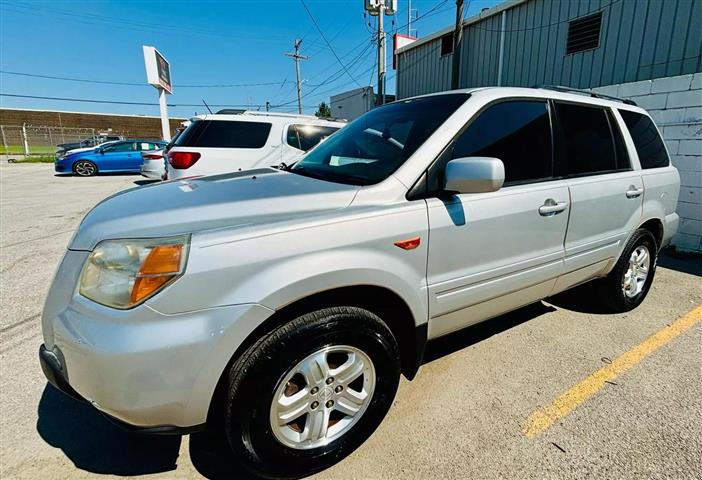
[(52, 366), (61, 166), (149, 370), (141, 366)]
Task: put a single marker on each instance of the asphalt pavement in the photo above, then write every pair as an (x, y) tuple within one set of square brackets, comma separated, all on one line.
[(618, 396)]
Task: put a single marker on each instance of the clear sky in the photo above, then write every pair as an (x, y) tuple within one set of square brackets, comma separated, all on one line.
[(236, 42)]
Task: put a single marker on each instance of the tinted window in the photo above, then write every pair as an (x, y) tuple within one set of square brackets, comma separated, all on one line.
[(588, 146), (516, 132), (647, 140), (367, 151), (224, 134), (120, 147), (623, 162), (304, 137)]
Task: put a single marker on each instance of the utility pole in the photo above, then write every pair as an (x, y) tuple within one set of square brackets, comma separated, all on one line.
[(297, 58), (381, 54), (409, 18), (457, 42)]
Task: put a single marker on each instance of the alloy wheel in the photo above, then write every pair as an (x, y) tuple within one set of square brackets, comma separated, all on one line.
[(322, 397), (635, 276), (84, 169)]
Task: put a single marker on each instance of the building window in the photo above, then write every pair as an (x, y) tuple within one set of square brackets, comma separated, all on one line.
[(584, 33), (447, 44)]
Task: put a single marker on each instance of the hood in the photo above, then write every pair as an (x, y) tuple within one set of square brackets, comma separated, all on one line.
[(193, 205)]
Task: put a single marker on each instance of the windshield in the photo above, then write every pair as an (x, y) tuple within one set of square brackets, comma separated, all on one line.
[(373, 146)]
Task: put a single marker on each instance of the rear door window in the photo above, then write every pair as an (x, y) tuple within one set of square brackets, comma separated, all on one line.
[(647, 140), (120, 147), (518, 132), (587, 145), (224, 134), (305, 137)]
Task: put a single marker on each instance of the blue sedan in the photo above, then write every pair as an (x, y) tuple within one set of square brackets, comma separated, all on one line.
[(123, 156)]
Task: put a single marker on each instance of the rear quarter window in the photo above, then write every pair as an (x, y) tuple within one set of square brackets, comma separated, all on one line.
[(647, 140), (305, 137), (224, 134)]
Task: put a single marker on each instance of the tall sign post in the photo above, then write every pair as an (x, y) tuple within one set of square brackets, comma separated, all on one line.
[(158, 75)]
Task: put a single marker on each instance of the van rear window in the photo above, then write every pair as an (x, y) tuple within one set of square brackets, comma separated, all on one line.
[(304, 137), (224, 134), (647, 140)]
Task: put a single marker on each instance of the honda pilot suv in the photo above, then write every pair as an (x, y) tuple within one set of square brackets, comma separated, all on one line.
[(281, 305)]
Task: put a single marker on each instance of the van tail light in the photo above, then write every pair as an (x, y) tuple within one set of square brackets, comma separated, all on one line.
[(182, 160), (152, 156)]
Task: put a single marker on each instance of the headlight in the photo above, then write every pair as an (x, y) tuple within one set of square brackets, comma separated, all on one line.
[(124, 273)]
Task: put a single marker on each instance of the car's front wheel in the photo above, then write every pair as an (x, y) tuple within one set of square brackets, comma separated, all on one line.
[(309, 393), (84, 168)]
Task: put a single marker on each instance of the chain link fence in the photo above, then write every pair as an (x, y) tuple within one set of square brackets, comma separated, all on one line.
[(30, 140)]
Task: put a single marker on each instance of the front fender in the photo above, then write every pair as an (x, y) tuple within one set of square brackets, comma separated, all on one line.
[(277, 269)]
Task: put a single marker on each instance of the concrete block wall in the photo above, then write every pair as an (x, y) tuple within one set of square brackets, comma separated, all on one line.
[(675, 104)]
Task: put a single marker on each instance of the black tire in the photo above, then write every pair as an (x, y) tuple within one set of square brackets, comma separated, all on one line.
[(85, 168), (611, 287), (255, 376)]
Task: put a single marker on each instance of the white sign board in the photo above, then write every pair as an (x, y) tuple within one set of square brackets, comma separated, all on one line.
[(399, 41), (158, 70)]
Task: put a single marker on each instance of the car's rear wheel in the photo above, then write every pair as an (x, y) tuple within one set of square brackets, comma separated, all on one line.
[(628, 283), (309, 393), (85, 168)]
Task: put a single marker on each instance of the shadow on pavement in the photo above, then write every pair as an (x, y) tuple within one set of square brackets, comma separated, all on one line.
[(461, 339), (145, 181), (95, 444), (210, 455), (582, 299), (690, 263)]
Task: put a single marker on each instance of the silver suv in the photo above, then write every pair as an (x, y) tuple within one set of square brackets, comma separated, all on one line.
[(279, 306)]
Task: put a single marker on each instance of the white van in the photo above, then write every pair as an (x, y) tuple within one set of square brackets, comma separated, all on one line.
[(228, 142)]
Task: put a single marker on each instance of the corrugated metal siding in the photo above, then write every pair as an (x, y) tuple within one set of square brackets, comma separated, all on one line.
[(639, 40)]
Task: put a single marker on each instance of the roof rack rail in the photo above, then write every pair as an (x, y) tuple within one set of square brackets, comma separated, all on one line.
[(560, 88), (230, 111)]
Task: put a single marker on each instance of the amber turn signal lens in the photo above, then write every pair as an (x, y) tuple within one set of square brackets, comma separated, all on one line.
[(145, 286), (161, 265), (162, 259)]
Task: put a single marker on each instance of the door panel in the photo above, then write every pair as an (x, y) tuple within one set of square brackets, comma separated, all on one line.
[(121, 157), (604, 211), (484, 246), (606, 195)]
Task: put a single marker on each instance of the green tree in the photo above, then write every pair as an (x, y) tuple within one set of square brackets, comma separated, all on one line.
[(323, 111)]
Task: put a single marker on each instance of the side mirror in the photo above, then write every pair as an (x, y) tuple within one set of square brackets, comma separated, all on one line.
[(474, 175)]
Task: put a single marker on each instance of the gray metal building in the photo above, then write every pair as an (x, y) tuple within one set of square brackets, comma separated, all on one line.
[(526, 43), (647, 50)]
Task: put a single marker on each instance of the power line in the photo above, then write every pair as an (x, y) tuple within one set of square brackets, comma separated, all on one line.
[(132, 84), (329, 79), (321, 33), (118, 102)]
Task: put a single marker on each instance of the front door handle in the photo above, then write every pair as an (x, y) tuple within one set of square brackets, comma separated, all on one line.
[(552, 207), (634, 192)]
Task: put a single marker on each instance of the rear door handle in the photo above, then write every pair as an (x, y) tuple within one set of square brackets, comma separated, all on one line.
[(552, 207), (634, 192)]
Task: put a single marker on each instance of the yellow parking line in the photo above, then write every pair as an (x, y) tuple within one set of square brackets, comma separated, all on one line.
[(572, 398)]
